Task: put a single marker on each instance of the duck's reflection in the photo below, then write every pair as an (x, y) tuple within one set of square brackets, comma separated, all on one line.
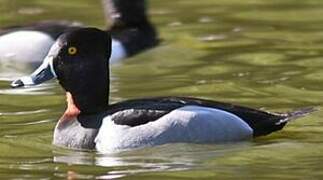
[(124, 163)]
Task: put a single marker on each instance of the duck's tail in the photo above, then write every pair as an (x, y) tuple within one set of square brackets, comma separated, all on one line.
[(289, 116)]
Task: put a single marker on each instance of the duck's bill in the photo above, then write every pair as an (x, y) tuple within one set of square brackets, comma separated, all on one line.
[(43, 73)]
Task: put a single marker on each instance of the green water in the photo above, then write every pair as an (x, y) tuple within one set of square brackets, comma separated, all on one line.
[(262, 54)]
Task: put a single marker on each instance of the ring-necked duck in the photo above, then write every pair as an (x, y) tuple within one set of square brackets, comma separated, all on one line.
[(130, 27), (78, 60)]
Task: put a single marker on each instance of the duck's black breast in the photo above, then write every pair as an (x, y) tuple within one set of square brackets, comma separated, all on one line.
[(142, 111)]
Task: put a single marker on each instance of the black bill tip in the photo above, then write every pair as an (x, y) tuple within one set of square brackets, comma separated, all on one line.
[(17, 83)]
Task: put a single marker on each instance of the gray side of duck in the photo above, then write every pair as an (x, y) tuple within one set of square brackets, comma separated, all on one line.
[(72, 134)]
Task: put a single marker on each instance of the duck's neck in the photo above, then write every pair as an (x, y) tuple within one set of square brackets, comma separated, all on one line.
[(72, 111), (87, 86), (89, 96), (86, 105)]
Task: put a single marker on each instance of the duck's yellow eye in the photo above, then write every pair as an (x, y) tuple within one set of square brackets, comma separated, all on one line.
[(72, 50)]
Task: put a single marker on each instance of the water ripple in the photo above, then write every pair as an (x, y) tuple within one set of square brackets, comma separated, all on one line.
[(43, 89), (23, 112)]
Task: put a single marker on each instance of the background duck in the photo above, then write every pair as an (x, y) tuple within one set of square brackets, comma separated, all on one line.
[(130, 27), (78, 60)]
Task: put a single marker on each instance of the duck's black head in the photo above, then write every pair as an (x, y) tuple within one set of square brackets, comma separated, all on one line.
[(80, 62)]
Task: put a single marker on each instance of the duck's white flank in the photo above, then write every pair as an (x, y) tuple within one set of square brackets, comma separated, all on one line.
[(187, 124), (25, 46), (118, 52)]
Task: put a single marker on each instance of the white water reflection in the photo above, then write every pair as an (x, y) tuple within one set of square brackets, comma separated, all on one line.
[(43, 89), (169, 157)]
